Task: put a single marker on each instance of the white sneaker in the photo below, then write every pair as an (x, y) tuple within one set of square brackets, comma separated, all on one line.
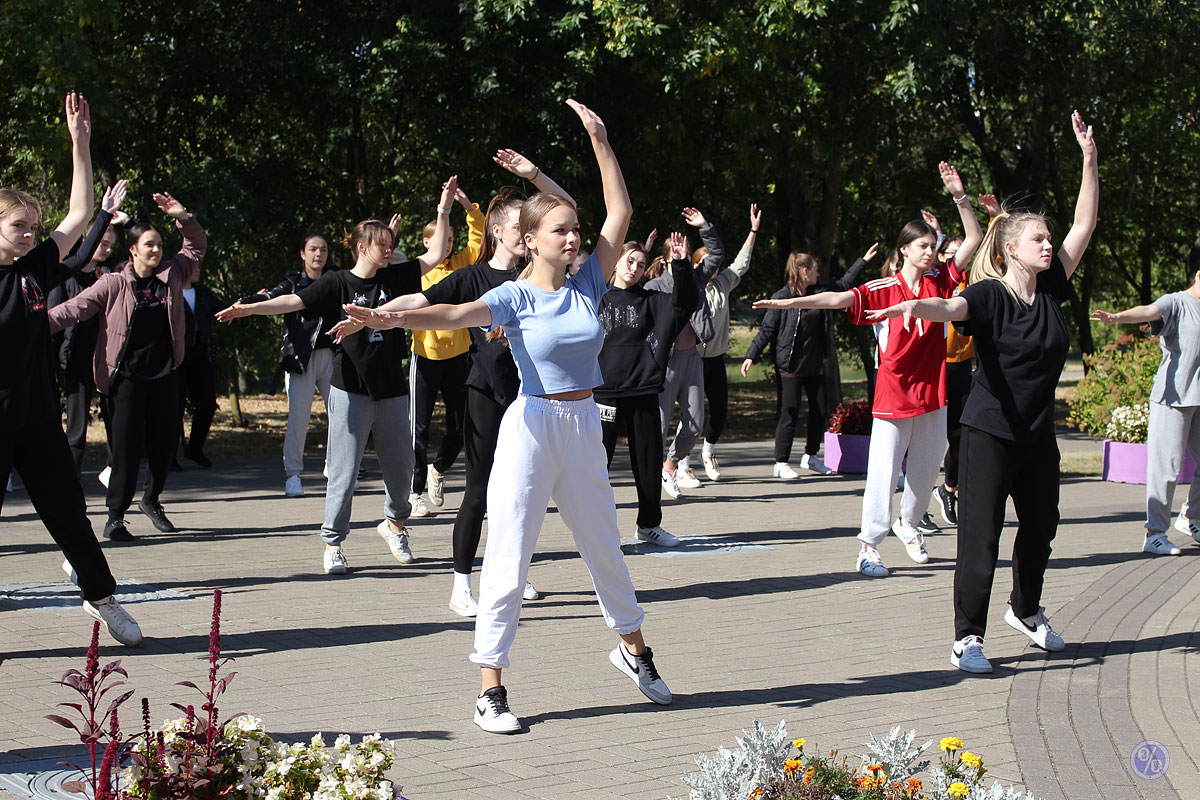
[(335, 561), (463, 604), (814, 464), (784, 471), (914, 542), (870, 564), (530, 592), (104, 475), (967, 655), (121, 626), (492, 712), (292, 487), (711, 468), (1037, 628), (419, 509), (397, 541), (435, 486), (686, 478), (670, 485), (71, 574), (641, 670), (657, 535), (1159, 545), (1185, 525)]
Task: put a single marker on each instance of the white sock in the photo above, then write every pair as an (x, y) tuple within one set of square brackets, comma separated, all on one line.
[(780, 464), (684, 463), (462, 582), (708, 448)]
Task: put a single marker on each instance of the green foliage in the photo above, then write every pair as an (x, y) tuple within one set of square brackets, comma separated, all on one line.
[(1119, 374)]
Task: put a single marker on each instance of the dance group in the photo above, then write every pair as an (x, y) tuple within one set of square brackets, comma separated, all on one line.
[(543, 354)]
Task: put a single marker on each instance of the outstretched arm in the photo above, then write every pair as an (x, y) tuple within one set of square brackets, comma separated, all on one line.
[(522, 167), (933, 309), (1137, 314), (442, 317), (616, 196), (1088, 205), (972, 235), (276, 305), (83, 201), (382, 318), (818, 300)]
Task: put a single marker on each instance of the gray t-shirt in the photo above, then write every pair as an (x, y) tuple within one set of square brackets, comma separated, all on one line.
[(1178, 380)]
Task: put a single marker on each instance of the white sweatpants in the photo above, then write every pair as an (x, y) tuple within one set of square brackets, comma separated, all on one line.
[(924, 437), (548, 449)]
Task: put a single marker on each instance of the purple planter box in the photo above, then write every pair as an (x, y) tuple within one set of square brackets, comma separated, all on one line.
[(846, 453), (1126, 463)]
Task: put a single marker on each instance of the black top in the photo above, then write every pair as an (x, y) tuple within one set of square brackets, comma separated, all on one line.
[(149, 352), (640, 325), (493, 370), (28, 389), (77, 343), (369, 362), (1019, 355)]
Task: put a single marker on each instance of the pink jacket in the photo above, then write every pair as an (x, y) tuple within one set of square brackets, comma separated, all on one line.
[(113, 294)]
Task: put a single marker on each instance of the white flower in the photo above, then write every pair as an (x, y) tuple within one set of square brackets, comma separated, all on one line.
[(342, 742), (318, 740)]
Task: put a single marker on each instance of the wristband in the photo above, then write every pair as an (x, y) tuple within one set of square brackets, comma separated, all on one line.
[(959, 200), (443, 210), (754, 230), (536, 174)]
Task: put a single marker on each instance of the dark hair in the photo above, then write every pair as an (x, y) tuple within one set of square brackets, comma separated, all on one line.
[(313, 235), (368, 231), (504, 203), (910, 233), (136, 229), (946, 242)]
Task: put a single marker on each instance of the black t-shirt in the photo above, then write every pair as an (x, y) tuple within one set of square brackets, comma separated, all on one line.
[(493, 370), (28, 389), (370, 361), (149, 353), (1019, 355)]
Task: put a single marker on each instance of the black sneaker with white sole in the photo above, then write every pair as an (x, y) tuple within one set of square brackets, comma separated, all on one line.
[(492, 713), (926, 525), (947, 503), (641, 670)]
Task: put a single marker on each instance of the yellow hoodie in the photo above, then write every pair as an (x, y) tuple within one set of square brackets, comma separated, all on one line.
[(441, 345)]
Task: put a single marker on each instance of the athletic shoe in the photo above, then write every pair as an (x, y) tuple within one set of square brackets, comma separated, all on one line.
[(814, 464), (435, 486), (1037, 628), (71, 574), (104, 476), (711, 468), (157, 516), (397, 541), (926, 524), (1185, 525), (914, 542), (463, 604), (121, 626), (335, 561), (1159, 545), (686, 478), (530, 592), (115, 531), (870, 564), (292, 487), (492, 712), (670, 486), (198, 458), (641, 670), (657, 535), (967, 655), (784, 471), (417, 505), (947, 503)]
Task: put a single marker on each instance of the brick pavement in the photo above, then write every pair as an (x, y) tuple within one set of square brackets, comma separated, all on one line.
[(786, 630)]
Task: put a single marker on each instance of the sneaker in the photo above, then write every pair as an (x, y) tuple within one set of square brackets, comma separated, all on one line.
[(947, 503), (1037, 628), (419, 509), (784, 471), (115, 531), (71, 574), (104, 475), (121, 626), (814, 464), (530, 592), (1185, 525), (914, 542), (686, 478), (463, 604), (157, 516), (657, 535), (967, 655), (711, 468), (435, 486), (1159, 545), (335, 561), (926, 524), (492, 712), (641, 671), (292, 487), (397, 541), (670, 486), (870, 564)]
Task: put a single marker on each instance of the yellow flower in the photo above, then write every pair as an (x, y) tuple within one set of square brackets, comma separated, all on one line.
[(951, 743), (874, 767), (757, 793), (958, 789), (792, 764), (970, 759), (798, 743), (914, 785)]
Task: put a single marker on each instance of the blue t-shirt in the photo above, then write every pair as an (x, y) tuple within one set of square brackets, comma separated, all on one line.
[(555, 336)]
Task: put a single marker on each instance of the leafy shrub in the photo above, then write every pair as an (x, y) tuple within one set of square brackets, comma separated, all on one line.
[(1119, 374), (851, 417)]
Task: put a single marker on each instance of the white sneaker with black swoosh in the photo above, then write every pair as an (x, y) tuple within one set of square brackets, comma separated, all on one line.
[(492, 712), (641, 670)]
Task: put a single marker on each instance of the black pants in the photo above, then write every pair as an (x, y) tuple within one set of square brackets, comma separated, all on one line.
[(79, 387), (430, 376), (481, 429), (639, 418), (197, 383), (145, 421), (787, 406), (716, 389), (993, 469), (958, 386), (42, 459)]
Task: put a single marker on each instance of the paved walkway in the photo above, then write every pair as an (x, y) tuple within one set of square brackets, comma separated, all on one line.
[(760, 616)]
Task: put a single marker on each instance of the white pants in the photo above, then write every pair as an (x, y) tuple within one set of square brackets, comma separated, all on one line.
[(1172, 429), (300, 399), (925, 439), (548, 449)]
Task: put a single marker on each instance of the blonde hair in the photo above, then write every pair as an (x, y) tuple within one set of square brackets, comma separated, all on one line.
[(13, 199), (992, 260)]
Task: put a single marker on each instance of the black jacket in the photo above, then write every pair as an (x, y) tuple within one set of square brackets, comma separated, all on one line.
[(300, 331), (701, 319), (198, 324)]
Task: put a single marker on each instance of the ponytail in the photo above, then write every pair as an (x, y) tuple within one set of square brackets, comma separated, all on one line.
[(992, 260)]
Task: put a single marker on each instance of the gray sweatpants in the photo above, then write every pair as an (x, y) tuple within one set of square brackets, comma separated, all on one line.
[(1171, 429), (352, 418), (684, 383)]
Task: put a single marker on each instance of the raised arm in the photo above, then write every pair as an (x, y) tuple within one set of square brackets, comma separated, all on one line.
[(442, 317), (818, 300), (1087, 206), (195, 241), (972, 234), (83, 202), (522, 167), (441, 232), (616, 196), (476, 222), (1135, 315), (711, 239), (853, 276)]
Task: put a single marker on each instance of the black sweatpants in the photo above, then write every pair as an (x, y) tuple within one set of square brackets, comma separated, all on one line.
[(428, 377), (787, 406), (958, 386), (480, 431), (993, 469), (639, 418), (197, 383), (79, 387), (145, 421), (716, 389), (42, 459)]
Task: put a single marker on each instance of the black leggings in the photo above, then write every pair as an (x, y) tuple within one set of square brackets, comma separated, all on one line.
[(145, 421), (787, 405), (958, 386), (79, 386), (480, 431), (639, 418), (430, 376), (716, 389)]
